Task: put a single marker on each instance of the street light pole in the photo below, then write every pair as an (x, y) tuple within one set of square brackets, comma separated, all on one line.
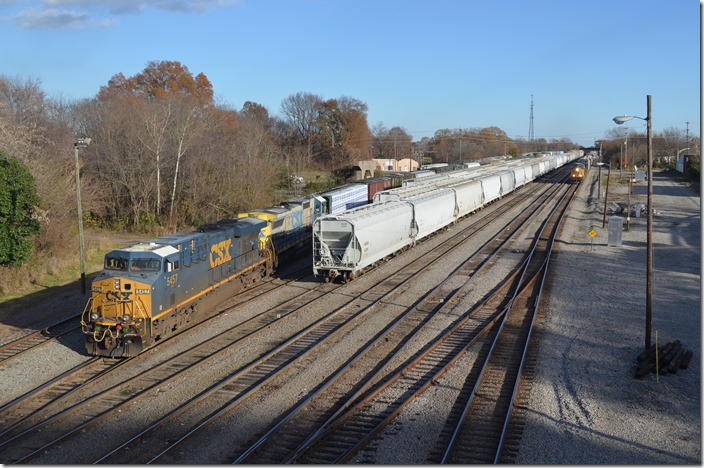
[(628, 213), (649, 237), (80, 143), (625, 153), (649, 260)]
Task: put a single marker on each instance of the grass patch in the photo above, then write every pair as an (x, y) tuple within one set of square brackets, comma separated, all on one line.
[(47, 271)]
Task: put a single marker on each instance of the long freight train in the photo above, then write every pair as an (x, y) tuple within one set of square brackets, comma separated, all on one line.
[(154, 289), (347, 243)]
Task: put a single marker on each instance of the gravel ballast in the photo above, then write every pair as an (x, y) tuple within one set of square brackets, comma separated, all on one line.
[(586, 405)]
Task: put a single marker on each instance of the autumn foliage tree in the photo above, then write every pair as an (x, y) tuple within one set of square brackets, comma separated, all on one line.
[(161, 79), (151, 122), (35, 131)]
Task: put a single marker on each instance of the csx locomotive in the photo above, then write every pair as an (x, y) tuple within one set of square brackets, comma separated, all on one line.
[(151, 290)]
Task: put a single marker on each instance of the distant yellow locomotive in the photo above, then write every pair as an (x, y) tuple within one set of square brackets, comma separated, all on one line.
[(577, 173)]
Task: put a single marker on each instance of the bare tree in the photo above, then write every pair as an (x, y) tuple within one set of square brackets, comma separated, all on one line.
[(155, 118), (301, 112), (188, 124)]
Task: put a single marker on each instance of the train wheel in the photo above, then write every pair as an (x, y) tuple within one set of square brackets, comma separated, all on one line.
[(345, 277)]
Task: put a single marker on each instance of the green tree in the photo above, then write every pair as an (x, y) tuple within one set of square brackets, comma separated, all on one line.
[(18, 198)]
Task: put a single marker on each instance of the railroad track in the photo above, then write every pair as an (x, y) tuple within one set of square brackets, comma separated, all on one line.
[(38, 338), (305, 436), (481, 429), (33, 340), (27, 415), (393, 283), (231, 391)]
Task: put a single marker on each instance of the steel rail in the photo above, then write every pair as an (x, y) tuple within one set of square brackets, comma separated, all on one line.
[(259, 322), (540, 266), (245, 457), (245, 391)]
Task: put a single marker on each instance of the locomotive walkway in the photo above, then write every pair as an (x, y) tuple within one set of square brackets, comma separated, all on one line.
[(586, 405)]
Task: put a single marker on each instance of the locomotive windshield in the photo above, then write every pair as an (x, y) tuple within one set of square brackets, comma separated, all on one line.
[(145, 264), (116, 263)]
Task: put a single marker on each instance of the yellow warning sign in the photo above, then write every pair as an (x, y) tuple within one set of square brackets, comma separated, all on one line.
[(592, 233)]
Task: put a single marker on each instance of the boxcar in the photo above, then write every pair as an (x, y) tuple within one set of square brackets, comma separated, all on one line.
[(346, 197), (374, 185)]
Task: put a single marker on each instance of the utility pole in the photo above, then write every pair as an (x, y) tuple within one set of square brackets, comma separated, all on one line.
[(460, 161), (531, 132), (80, 143)]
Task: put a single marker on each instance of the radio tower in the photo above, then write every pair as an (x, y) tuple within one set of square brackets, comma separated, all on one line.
[(687, 137), (531, 134)]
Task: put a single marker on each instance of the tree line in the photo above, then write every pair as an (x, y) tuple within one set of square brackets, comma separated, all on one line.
[(623, 148), (166, 155)]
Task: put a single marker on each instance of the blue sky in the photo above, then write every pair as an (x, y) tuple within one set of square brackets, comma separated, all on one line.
[(423, 65)]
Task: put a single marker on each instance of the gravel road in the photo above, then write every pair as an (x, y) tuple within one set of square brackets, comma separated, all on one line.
[(586, 405)]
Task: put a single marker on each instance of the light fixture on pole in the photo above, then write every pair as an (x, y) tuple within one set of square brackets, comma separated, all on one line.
[(649, 249), (80, 143)]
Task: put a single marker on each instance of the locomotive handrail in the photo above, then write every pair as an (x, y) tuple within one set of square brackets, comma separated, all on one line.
[(85, 309), (141, 309)]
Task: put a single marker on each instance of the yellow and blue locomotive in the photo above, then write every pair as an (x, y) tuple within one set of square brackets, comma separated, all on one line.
[(288, 225), (151, 290)]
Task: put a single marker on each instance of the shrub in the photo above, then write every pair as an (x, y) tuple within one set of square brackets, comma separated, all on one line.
[(18, 202)]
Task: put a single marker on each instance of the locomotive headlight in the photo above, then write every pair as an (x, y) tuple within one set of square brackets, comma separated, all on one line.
[(94, 316), (117, 284), (126, 318)]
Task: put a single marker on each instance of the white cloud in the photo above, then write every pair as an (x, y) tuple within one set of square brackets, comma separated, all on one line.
[(136, 6), (76, 14), (51, 19)]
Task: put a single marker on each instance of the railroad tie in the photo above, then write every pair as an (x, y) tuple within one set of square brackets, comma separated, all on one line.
[(670, 358)]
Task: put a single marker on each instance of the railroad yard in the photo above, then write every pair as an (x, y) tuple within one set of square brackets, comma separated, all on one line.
[(380, 369)]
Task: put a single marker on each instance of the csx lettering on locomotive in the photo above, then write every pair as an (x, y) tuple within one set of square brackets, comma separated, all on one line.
[(117, 296), (220, 253)]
